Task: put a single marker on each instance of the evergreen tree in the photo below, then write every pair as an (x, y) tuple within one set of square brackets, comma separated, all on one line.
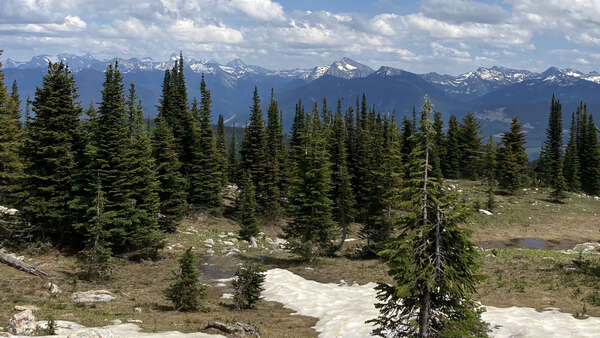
[(572, 168), (362, 162), (247, 209), (452, 160), (553, 157), (433, 262), (341, 186), (222, 150), (49, 156), (590, 171), (297, 140), (512, 159), (407, 143), (171, 187), (311, 231), (254, 151), (205, 177), (11, 164), (232, 159), (489, 172), (185, 290), (439, 151), (247, 285), (469, 142), (275, 161)]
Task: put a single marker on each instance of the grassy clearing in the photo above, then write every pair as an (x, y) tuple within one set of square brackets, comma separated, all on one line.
[(531, 278)]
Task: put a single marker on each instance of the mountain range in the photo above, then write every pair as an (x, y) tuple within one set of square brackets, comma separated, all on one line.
[(494, 94)]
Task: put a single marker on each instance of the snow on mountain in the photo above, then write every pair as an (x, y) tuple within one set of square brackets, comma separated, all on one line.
[(348, 69)]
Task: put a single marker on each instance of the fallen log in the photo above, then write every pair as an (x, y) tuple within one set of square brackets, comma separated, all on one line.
[(11, 260)]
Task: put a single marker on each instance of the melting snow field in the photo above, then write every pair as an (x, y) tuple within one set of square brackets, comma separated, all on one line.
[(343, 310)]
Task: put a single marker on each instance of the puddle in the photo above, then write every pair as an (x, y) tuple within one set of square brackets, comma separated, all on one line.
[(218, 267), (531, 243)]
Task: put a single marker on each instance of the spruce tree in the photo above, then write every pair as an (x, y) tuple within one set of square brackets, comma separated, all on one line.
[(275, 160), (248, 285), (469, 141), (254, 151), (232, 159), (362, 161), (205, 177), (439, 152), (512, 159), (489, 167), (553, 151), (49, 156), (452, 159), (572, 168), (247, 209), (341, 186), (312, 229), (590, 171), (432, 261), (171, 188), (185, 291), (11, 164), (222, 150)]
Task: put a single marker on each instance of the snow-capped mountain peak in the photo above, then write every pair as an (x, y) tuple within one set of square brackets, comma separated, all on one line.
[(348, 69)]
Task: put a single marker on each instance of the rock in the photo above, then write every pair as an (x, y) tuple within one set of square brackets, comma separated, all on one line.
[(227, 296), (591, 247), (116, 322), (209, 241), (227, 243), (137, 309), (210, 252), (92, 333), (236, 329), (135, 321), (308, 268), (342, 283), (485, 212), (52, 288), (22, 323), (92, 296), (253, 243), (8, 211), (26, 307)]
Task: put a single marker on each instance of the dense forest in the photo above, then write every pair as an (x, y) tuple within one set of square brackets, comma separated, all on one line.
[(102, 181)]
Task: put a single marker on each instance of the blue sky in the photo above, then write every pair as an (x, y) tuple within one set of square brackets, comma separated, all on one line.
[(446, 36)]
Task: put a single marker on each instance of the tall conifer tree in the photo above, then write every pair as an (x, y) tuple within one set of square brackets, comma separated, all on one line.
[(452, 160), (222, 149), (572, 168), (512, 159)]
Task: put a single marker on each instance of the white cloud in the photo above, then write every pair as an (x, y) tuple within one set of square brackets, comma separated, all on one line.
[(266, 10), (461, 11), (188, 30)]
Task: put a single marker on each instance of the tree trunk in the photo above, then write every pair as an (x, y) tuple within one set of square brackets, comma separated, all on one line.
[(424, 329), (15, 263)]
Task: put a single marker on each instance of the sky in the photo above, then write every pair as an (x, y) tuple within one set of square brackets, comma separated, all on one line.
[(445, 36)]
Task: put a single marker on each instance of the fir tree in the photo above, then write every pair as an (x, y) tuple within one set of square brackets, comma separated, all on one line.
[(222, 150), (361, 162), (171, 187), (572, 168), (185, 291), (49, 156), (248, 285), (11, 164), (232, 159), (590, 171), (205, 177), (341, 187), (553, 151), (247, 209), (512, 159), (254, 151), (433, 262), (275, 160), (439, 151), (311, 231), (452, 160), (469, 147), (489, 172)]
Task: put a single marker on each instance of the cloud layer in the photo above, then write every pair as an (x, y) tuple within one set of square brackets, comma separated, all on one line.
[(440, 35)]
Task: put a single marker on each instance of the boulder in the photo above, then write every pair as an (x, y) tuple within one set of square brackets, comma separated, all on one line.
[(52, 288), (26, 307), (22, 323), (92, 333), (137, 309), (485, 212), (92, 296), (236, 329), (253, 243)]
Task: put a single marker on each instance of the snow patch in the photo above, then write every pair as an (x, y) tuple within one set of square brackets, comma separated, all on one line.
[(342, 311)]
